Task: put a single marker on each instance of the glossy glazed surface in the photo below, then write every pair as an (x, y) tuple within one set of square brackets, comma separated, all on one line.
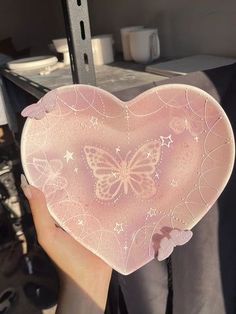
[(116, 174)]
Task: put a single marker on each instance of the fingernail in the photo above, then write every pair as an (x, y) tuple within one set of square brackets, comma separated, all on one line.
[(57, 226), (25, 186)]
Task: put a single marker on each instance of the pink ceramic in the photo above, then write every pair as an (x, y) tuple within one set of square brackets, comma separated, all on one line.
[(128, 180)]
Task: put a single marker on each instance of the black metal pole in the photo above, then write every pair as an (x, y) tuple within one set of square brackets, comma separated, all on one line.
[(79, 41)]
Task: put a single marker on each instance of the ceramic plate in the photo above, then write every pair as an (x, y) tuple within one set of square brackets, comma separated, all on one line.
[(128, 180)]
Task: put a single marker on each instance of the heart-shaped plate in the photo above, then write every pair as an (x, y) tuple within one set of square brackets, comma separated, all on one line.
[(128, 179)]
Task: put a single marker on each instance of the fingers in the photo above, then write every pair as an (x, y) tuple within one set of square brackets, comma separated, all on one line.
[(44, 223)]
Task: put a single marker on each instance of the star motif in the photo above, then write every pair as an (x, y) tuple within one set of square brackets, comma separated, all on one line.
[(94, 120), (80, 222), (68, 156), (148, 154), (157, 175), (114, 174), (117, 149), (151, 212), (174, 183), (126, 247), (166, 140), (119, 227), (196, 138)]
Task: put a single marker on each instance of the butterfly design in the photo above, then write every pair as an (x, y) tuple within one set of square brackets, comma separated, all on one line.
[(191, 123), (38, 110), (50, 170), (115, 175), (169, 241)]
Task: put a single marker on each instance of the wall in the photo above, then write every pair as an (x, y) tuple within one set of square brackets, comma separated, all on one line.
[(186, 27), (31, 23)]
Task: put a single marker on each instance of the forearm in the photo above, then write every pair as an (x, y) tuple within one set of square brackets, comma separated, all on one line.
[(86, 295), (84, 276)]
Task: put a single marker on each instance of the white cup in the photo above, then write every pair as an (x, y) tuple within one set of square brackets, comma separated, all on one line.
[(66, 57), (125, 40), (144, 45), (61, 45), (102, 47)]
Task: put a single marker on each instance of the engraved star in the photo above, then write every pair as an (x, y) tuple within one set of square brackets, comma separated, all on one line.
[(76, 170), (117, 149), (80, 222), (125, 247), (166, 140), (94, 120), (148, 154), (157, 175), (196, 138), (114, 174), (151, 212), (119, 227), (68, 156), (174, 183)]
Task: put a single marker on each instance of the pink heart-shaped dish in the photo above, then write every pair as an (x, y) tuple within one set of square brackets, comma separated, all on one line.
[(128, 179)]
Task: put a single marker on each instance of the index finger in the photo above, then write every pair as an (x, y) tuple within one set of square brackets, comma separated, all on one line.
[(44, 222)]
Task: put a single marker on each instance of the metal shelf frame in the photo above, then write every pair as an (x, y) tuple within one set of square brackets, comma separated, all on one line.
[(78, 34)]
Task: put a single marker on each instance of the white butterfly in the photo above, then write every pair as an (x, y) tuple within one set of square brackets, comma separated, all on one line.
[(175, 238), (50, 171), (112, 175)]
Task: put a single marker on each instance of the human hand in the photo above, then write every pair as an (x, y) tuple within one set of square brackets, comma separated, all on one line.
[(79, 267)]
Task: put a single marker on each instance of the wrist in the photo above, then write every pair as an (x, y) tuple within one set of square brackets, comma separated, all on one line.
[(86, 290)]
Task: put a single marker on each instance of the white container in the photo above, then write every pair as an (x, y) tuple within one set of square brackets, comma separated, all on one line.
[(66, 58), (32, 63), (102, 47), (125, 40), (144, 45), (61, 45)]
